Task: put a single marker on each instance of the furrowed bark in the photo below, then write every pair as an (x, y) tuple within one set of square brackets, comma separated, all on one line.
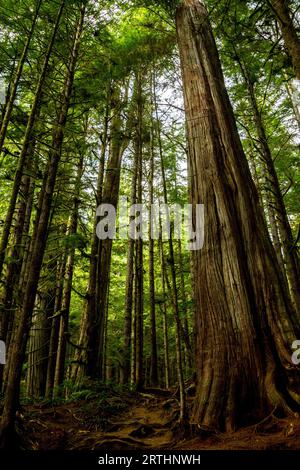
[(244, 319)]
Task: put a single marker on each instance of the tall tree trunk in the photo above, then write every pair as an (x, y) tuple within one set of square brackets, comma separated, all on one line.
[(244, 318), (67, 285), (105, 340), (119, 140), (81, 355), (276, 239), (275, 198), (55, 324), (129, 284), (38, 346), (139, 315), (16, 79), (153, 358), (294, 101), (139, 266), (133, 331), (92, 331), (261, 180), (24, 155), (128, 311), (164, 315), (18, 252), (179, 331), (93, 325), (187, 343), (5, 105), (288, 30), (38, 247)]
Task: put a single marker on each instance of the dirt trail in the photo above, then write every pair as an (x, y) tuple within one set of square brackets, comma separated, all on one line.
[(140, 421), (144, 425)]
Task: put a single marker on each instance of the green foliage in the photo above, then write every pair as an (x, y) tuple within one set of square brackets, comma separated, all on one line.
[(168, 5), (122, 40), (76, 240)]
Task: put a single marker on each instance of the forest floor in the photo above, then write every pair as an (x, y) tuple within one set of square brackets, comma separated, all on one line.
[(139, 421)]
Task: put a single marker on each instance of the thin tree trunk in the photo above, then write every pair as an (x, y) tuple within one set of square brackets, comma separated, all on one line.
[(188, 346), (60, 274), (67, 285), (164, 315), (19, 250), (276, 239), (38, 247), (14, 85), (128, 311), (153, 358), (295, 105), (93, 324), (90, 305), (24, 155), (129, 284), (95, 316), (26, 234), (133, 334), (179, 333), (38, 347), (139, 335), (288, 30), (119, 141), (261, 179), (4, 107), (173, 286), (105, 347), (275, 198), (139, 266)]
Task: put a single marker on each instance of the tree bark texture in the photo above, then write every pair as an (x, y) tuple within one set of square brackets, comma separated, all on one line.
[(244, 319)]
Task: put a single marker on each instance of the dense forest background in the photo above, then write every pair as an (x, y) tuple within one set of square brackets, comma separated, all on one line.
[(100, 100)]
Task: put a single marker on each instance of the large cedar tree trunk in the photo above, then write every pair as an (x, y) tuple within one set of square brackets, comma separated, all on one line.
[(244, 320)]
